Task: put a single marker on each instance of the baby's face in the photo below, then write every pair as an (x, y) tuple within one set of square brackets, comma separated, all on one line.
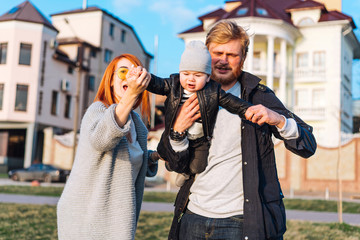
[(193, 81)]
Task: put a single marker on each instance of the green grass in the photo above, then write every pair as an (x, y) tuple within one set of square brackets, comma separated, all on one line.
[(4, 175), (167, 197), (320, 205), (23, 221), (28, 190)]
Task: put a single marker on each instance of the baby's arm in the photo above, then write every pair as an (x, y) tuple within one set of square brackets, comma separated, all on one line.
[(233, 104), (157, 85)]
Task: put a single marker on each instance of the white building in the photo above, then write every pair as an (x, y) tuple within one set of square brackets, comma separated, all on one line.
[(46, 67), (309, 50)]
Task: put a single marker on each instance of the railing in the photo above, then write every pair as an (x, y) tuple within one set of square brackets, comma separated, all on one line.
[(310, 75), (310, 113), (260, 67)]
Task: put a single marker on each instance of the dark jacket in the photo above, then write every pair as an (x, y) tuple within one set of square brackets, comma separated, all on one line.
[(264, 212), (210, 98)]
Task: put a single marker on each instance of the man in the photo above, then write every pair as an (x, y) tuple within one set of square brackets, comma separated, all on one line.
[(238, 196)]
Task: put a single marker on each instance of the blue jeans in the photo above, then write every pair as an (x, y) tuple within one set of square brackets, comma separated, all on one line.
[(196, 227)]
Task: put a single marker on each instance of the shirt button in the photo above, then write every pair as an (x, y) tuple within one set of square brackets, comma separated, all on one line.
[(246, 237), (245, 163), (247, 200), (243, 127)]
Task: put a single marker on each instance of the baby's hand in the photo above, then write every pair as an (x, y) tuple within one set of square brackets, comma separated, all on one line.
[(134, 73)]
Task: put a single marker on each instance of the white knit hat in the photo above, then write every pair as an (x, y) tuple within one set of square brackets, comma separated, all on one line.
[(196, 57)]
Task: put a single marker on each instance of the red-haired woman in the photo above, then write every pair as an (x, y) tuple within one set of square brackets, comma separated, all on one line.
[(103, 195)]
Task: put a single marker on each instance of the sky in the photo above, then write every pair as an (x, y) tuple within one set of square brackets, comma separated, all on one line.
[(165, 19)]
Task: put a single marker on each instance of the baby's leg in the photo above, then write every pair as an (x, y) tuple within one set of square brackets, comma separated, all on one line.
[(199, 157), (180, 179)]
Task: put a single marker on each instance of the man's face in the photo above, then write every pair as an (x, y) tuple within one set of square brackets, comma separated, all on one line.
[(226, 62)]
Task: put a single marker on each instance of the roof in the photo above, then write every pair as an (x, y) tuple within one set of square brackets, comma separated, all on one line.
[(76, 40), (94, 9), (270, 9), (301, 5), (26, 12), (214, 14), (334, 16)]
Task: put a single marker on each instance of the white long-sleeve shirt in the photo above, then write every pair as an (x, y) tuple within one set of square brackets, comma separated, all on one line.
[(217, 192)]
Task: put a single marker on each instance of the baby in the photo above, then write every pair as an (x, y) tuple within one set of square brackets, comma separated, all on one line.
[(194, 78)]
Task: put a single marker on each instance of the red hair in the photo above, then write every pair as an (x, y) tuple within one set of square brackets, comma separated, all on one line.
[(105, 93)]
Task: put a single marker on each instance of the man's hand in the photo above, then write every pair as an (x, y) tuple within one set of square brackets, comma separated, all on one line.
[(259, 114), (187, 114)]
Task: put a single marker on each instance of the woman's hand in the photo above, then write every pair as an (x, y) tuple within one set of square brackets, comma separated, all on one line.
[(137, 79), (187, 114)]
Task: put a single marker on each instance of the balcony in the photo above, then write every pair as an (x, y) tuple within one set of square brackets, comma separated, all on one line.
[(310, 113), (306, 75), (260, 67)]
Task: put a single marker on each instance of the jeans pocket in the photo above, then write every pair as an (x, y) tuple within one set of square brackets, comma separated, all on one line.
[(237, 218)]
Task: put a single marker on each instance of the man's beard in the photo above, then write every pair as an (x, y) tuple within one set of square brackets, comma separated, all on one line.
[(225, 80)]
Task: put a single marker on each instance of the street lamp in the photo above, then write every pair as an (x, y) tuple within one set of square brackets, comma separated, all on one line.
[(78, 85), (77, 98)]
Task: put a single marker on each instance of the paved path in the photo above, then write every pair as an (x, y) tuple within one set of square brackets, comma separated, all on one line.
[(353, 219)]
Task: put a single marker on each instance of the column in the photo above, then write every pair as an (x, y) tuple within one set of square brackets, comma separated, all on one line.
[(270, 62), (250, 54), (29, 142), (282, 87), (292, 81)]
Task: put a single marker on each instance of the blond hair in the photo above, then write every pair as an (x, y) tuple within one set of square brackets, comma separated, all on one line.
[(225, 31)]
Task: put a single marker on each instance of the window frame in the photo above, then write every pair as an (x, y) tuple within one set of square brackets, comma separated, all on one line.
[(3, 59), (18, 97), (23, 58)]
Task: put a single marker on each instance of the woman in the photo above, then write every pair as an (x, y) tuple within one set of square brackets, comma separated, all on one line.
[(103, 195)]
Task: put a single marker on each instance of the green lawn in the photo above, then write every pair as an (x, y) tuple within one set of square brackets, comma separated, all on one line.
[(22, 221), (4, 175)]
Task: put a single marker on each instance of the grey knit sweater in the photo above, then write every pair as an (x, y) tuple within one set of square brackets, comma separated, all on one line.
[(99, 200)]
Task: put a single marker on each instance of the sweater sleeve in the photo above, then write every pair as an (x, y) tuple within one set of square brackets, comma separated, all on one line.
[(305, 144), (101, 127)]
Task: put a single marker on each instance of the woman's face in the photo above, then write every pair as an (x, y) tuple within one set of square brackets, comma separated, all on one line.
[(119, 83)]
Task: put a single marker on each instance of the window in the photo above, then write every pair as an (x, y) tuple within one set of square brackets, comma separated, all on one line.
[(40, 102), (93, 53), (123, 35), (3, 53), (262, 11), (108, 55), (318, 99), (70, 70), (1, 95), (21, 97), (67, 106), (54, 103), (91, 83), (306, 21), (302, 59), (25, 54), (257, 60), (242, 11), (111, 30), (13, 10), (42, 78), (301, 97), (319, 59)]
